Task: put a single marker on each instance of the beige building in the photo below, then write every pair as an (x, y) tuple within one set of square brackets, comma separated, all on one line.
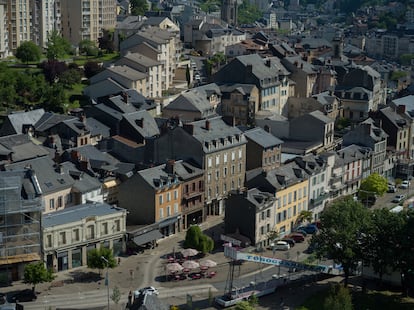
[(4, 43), (85, 19), (69, 235), (18, 13)]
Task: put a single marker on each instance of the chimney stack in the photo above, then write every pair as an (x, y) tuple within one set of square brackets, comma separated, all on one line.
[(169, 166), (124, 97), (401, 109), (268, 63), (207, 124)]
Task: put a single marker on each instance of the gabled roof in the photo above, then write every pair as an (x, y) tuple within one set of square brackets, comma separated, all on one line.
[(325, 98), (128, 73), (259, 69), (49, 177), (141, 59), (97, 128), (322, 117), (285, 176), (158, 177), (97, 158), (19, 119), (79, 213), (243, 89), (262, 137), (394, 117), (21, 147), (49, 119), (143, 122)]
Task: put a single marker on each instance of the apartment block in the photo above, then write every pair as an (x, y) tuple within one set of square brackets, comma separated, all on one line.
[(18, 13), (46, 17), (86, 19)]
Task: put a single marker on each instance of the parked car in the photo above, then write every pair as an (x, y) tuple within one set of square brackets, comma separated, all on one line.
[(24, 295), (281, 245), (405, 184), (301, 231), (290, 241), (391, 188), (149, 290), (298, 237), (398, 198), (309, 229)]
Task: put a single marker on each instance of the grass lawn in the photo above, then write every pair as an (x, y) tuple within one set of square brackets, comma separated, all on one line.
[(378, 300), (81, 60)]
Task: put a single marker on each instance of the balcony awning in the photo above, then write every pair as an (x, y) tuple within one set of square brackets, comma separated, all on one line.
[(150, 236)]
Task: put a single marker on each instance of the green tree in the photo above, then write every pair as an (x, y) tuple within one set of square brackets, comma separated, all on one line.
[(91, 68), (209, 6), (339, 298), (248, 13), (272, 235), (57, 46), (106, 42), (138, 7), (344, 226), (404, 260), (243, 305), (384, 234), (28, 51), (374, 184), (406, 59), (88, 48), (305, 216), (55, 99), (95, 260), (195, 238), (36, 273), (69, 78)]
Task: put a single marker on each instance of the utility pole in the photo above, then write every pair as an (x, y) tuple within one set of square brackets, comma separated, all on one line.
[(107, 277)]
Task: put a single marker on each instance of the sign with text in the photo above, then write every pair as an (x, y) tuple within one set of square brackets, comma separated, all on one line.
[(287, 263)]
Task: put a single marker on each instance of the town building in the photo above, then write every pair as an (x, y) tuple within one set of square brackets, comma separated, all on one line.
[(20, 218), (68, 235)]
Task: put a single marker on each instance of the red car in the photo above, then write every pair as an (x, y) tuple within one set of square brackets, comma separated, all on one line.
[(297, 237)]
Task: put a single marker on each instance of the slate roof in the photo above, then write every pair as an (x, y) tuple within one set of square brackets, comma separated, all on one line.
[(218, 129), (97, 158), (102, 88), (157, 176), (148, 129), (128, 73), (262, 138), (49, 119), (243, 89), (259, 69), (130, 23), (78, 213), (141, 59), (186, 171), (307, 67), (97, 128), (324, 98), (83, 182), (17, 120), (322, 117), (408, 101), (350, 154), (285, 176), (50, 179), (21, 147), (394, 117), (261, 200)]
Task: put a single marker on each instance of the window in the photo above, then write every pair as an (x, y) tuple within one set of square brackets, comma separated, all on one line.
[(117, 225), (51, 204), (267, 228), (176, 193), (217, 174), (262, 230), (289, 213), (49, 241), (294, 210), (294, 195), (240, 167), (69, 198), (289, 197), (268, 213), (300, 193), (161, 211), (210, 162), (225, 157), (90, 232), (225, 172), (217, 160), (104, 228), (62, 238), (240, 154), (224, 187), (60, 202), (209, 178), (284, 200), (263, 215), (168, 210), (304, 192), (175, 208), (233, 155), (160, 199), (75, 235), (168, 197), (232, 169)]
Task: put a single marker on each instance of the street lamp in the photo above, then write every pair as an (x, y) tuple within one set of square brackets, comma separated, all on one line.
[(107, 277)]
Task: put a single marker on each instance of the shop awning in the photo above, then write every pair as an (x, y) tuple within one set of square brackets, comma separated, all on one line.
[(168, 222), (147, 237)]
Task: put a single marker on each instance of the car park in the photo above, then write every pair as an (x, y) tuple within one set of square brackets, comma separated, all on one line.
[(281, 245), (398, 198), (24, 295)]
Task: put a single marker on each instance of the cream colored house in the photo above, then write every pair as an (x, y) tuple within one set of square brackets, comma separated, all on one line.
[(68, 235)]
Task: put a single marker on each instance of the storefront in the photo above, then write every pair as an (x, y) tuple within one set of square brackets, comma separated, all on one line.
[(63, 263), (170, 226)]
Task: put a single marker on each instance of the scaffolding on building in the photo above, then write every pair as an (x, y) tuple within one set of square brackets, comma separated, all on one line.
[(20, 223)]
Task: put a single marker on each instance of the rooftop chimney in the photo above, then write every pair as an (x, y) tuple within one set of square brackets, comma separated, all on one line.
[(401, 109), (268, 63), (207, 124), (124, 97), (169, 166)]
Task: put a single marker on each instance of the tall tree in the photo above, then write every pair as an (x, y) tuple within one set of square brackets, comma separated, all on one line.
[(36, 273), (374, 184), (339, 298), (57, 46), (138, 7), (95, 259), (384, 234), (106, 42), (28, 51), (404, 260), (344, 226), (195, 238)]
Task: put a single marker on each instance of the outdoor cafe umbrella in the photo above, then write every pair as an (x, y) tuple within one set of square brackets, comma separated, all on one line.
[(174, 267), (190, 264), (189, 252), (208, 263)]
